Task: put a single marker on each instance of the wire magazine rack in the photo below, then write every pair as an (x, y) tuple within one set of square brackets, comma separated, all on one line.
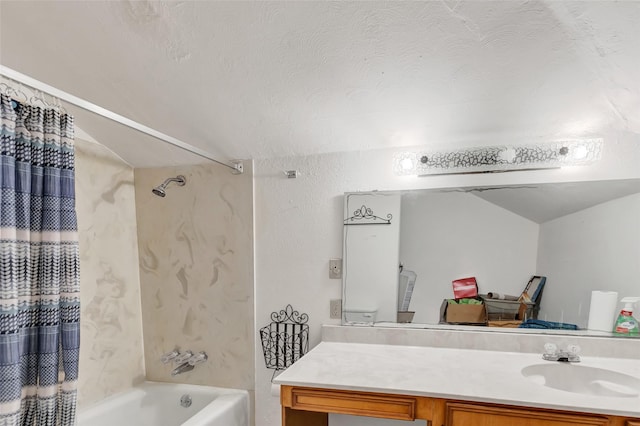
[(285, 340)]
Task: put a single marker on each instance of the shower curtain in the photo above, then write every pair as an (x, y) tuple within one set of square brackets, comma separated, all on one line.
[(39, 274)]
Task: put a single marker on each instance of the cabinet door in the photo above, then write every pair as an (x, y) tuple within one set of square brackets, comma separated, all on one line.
[(461, 414), (633, 422)]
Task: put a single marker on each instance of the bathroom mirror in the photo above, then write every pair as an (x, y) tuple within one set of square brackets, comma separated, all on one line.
[(581, 236)]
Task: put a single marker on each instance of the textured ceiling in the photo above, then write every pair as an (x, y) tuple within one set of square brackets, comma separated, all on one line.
[(272, 79)]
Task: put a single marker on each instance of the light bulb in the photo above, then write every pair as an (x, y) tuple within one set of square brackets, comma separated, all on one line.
[(406, 164), (508, 155), (579, 152)]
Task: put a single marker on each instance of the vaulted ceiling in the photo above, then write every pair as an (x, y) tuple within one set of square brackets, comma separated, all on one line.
[(273, 79)]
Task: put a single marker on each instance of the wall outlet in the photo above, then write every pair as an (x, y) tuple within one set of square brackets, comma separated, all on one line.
[(335, 269), (335, 308)]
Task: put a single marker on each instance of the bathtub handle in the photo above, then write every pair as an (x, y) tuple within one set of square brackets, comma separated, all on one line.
[(166, 358), (183, 357), (198, 358)]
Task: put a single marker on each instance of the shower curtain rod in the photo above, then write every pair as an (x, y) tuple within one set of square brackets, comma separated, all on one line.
[(236, 166)]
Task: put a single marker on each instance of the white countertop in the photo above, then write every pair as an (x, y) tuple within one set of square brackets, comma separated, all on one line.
[(463, 374)]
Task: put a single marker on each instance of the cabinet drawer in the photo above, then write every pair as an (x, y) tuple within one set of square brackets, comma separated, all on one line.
[(461, 414), (633, 422), (354, 403)]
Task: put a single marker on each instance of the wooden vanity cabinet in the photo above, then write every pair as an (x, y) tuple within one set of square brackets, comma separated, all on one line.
[(469, 414), (311, 407)]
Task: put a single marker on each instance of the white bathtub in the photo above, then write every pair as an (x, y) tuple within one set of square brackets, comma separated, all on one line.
[(158, 404)]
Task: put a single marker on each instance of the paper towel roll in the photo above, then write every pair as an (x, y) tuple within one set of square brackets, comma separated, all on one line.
[(275, 390), (500, 296), (602, 310)]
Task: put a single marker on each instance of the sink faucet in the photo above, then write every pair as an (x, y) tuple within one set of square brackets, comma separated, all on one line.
[(552, 353)]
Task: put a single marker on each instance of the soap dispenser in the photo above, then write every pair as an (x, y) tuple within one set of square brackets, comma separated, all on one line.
[(626, 324)]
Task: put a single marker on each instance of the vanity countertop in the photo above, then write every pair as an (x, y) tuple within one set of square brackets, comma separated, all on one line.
[(461, 374)]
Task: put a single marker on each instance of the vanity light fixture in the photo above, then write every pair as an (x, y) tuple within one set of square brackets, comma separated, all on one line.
[(502, 158)]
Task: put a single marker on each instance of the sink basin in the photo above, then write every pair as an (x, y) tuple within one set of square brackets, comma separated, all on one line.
[(584, 380)]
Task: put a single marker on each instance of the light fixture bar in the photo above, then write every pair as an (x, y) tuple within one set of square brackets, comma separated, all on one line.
[(503, 158), (236, 166)]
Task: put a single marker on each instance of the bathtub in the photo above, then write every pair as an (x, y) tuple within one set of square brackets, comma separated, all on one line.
[(159, 404)]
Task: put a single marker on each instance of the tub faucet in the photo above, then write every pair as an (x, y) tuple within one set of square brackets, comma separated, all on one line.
[(182, 368), (187, 361), (552, 353)]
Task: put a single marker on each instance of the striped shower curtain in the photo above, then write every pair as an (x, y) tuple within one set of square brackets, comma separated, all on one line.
[(39, 275)]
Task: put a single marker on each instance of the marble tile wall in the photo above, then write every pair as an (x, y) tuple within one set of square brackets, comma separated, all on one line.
[(111, 353), (196, 272)]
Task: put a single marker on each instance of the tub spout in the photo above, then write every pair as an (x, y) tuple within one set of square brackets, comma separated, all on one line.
[(182, 368)]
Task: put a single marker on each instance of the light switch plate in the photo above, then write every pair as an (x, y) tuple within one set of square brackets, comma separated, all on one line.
[(335, 308), (335, 269)]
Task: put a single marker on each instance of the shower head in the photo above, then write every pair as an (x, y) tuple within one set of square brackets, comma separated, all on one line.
[(160, 189)]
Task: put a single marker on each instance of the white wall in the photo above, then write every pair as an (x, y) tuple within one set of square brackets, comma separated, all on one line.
[(298, 227), (450, 235), (607, 238)]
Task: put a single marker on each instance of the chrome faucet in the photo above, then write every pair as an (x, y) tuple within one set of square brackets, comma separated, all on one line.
[(552, 353), (182, 368), (185, 361)]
